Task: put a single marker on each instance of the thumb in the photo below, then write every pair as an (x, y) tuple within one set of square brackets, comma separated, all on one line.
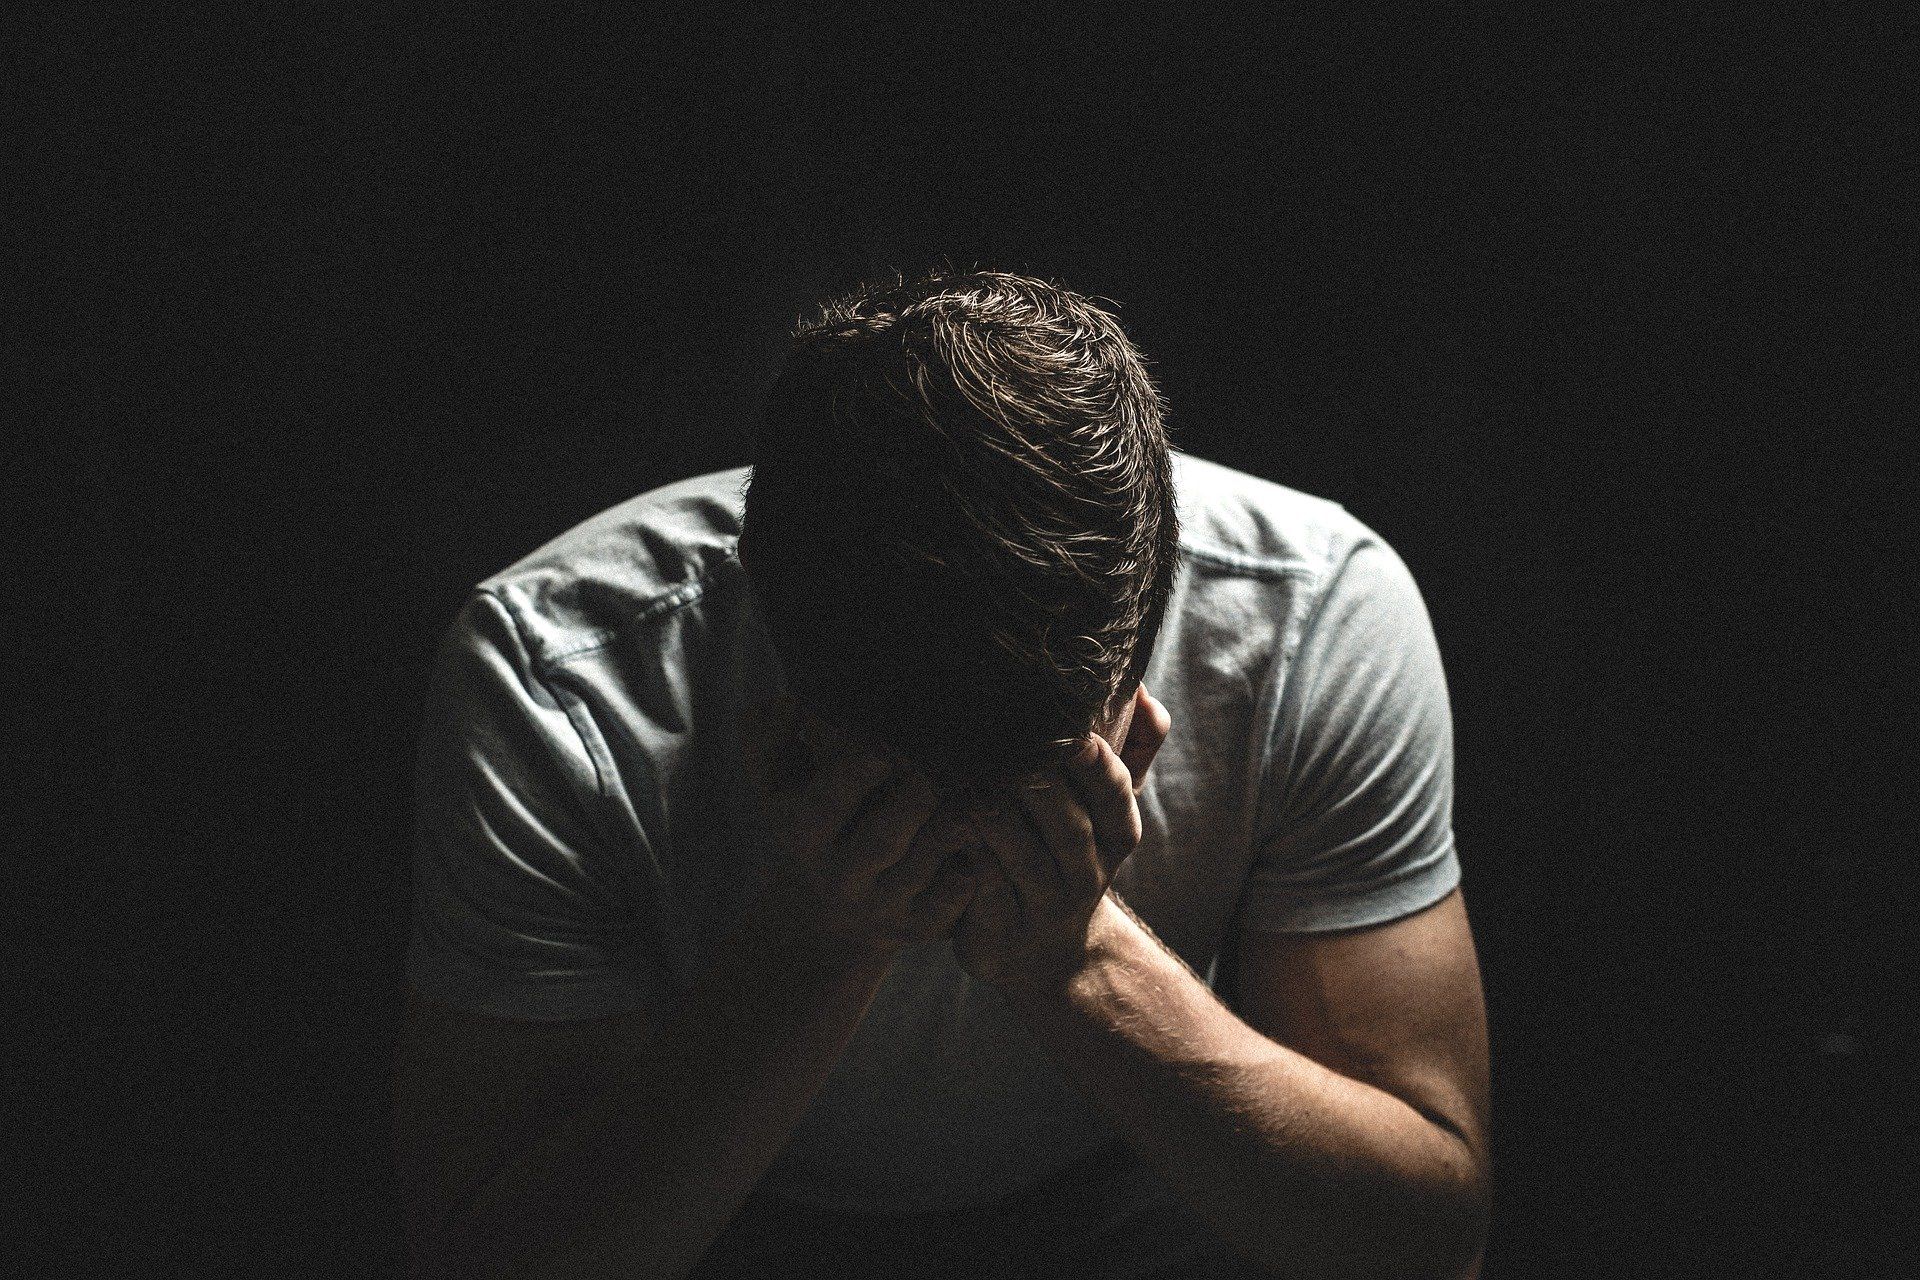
[(1147, 732)]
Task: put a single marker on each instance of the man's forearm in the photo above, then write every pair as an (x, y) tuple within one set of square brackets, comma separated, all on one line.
[(1302, 1169), (642, 1180)]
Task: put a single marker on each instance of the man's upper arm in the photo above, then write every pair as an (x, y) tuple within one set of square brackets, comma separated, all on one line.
[(530, 962), (1398, 1006), (1353, 945)]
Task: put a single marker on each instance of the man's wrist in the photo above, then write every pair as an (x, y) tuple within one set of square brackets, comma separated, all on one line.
[(1147, 930), (1109, 921)]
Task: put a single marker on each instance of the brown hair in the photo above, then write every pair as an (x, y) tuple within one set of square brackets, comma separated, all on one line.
[(959, 525)]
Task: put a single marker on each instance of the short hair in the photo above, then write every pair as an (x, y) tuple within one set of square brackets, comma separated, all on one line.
[(959, 525)]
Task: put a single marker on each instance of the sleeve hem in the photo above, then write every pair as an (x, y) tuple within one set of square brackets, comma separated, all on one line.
[(499, 994), (1420, 887)]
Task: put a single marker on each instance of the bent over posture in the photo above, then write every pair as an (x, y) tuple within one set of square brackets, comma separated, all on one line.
[(979, 839)]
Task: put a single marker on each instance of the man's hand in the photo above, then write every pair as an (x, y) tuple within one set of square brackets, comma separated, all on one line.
[(857, 871), (1054, 859)]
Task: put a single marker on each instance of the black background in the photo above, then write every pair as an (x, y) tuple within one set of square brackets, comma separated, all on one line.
[(1605, 322)]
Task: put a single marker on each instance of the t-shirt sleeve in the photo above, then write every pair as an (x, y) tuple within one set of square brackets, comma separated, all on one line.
[(521, 908), (1357, 825)]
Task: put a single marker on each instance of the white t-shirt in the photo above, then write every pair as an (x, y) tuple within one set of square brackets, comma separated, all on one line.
[(582, 832)]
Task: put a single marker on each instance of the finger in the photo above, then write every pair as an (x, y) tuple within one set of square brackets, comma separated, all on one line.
[(886, 824), (1068, 831), (1024, 859), (1148, 730), (944, 833), (941, 903), (1104, 786), (835, 794)]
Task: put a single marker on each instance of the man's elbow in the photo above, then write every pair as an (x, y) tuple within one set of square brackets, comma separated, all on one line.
[(1452, 1211), (1472, 1219), (1455, 1220), (1440, 1232)]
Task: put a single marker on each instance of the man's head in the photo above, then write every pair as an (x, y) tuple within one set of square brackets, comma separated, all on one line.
[(960, 527)]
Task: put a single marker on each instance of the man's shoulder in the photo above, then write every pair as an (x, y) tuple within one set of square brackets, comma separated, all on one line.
[(1235, 522), (665, 548), (643, 557)]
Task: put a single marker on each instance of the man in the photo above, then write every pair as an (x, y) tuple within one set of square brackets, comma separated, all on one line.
[(817, 864)]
